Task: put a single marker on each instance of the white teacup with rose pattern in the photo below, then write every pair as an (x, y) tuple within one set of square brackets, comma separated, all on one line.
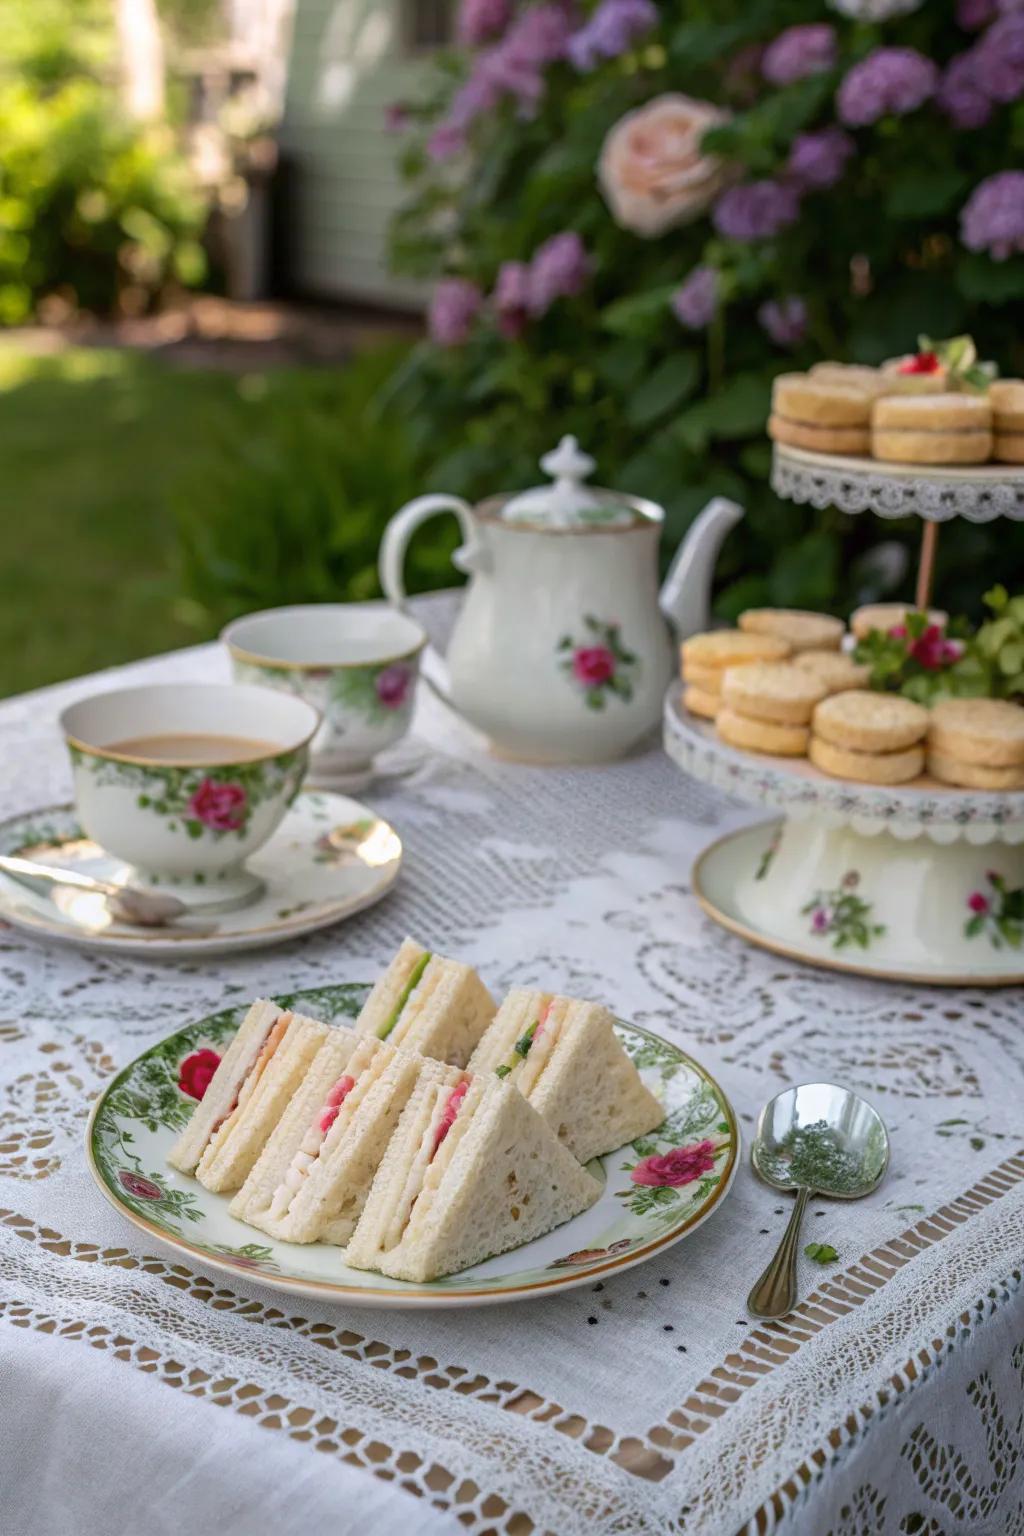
[(184, 781), (357, 663)]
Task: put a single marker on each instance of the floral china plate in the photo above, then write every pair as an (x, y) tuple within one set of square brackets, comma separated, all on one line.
[(657, 1189), (330, 857)]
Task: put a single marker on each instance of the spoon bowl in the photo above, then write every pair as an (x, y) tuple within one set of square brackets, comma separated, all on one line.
[(820, 1139)]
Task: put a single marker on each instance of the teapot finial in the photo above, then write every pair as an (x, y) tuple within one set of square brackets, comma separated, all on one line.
[(567, 463)]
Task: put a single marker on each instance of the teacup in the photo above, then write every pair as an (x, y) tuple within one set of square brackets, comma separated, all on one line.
[(184, 781), (357, 663)]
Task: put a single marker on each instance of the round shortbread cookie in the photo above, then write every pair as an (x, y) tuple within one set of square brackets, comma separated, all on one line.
[(870, 722), (1006, 397), (886, 616), (804, 630), (800, 397), (836, 671), (1008, 447), (899, 447), (729, 647), (866, 767), (761, 735), (950, 770), (707, 679), (801, 434), (988, 732), (700, 703), (932, 413), (774, 691), (850, 376)]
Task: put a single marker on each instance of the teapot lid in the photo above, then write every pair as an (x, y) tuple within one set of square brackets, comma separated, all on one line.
[(568, 503)]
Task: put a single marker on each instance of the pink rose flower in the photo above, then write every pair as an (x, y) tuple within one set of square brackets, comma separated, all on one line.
[(680, 1166), (392, 686), (220, 806), (195, 1072), (653, 172), (135, 1184), (593, 665), (977, 902)]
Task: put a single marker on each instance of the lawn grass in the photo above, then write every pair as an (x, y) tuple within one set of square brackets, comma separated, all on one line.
[(95, 446)]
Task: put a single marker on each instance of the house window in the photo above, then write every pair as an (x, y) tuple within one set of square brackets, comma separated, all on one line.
[(427, 24)]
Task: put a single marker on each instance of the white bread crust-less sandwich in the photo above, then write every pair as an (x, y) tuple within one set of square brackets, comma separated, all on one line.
[(428, 1004)]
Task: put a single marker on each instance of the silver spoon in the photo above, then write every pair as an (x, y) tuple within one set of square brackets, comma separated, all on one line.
[(814, 1139), (143, 909)]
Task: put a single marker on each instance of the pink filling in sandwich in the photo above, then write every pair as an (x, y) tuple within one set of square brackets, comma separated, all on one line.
[(451, 1109)]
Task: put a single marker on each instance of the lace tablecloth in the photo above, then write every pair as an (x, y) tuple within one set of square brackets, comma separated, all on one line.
[(889, 1402)]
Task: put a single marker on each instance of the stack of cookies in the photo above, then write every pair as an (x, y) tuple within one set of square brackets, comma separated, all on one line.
[(809, 411), (1006, 397), (932, 429), (977, 743), (872, 738), (706, 657), (767, 707)]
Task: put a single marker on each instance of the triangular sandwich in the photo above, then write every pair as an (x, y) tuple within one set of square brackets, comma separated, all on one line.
[(265, 1031), (471, 1171), (566, 1059), (428, 1004), (236, 1144), (315, 1172)]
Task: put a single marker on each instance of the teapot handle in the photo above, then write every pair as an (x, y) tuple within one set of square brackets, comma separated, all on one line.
[(391, 564)]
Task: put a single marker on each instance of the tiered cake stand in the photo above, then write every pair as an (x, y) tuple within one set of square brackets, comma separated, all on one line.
[(921, 882)]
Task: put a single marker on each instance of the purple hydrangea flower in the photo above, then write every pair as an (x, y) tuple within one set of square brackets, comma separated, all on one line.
[(784, 320), (559, 269), (613, 27), (818, 160), (756, 210), (480, 20), (999, 59), (992, 219), (798, 52), (539, 36), (695, 302), (972, 15), (454, 306), (888, 81), (512, 297), (961, 93)]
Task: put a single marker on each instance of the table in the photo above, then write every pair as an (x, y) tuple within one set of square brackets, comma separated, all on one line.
[(138, 1393)]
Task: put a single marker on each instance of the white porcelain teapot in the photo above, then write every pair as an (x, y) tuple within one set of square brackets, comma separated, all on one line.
[(561, 652)]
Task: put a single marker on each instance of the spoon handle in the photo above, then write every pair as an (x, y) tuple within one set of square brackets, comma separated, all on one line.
[(775, 1293), (28, 869)]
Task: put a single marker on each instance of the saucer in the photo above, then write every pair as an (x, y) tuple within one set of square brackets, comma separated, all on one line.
[(330, 857)]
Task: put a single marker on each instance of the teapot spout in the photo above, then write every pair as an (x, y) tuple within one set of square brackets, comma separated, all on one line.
[(686, 595)]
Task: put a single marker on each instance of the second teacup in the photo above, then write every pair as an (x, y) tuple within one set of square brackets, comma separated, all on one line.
[(357, 663)]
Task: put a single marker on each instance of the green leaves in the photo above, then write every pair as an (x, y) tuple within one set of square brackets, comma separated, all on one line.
[(821, 1253), (640, 314), (672, 382), (923, 193), (985, 281)]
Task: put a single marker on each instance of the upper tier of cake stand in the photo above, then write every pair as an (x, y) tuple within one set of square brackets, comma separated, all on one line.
[(793, 785), (979, 492)]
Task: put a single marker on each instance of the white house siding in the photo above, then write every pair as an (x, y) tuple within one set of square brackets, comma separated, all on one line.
[(347, 63)]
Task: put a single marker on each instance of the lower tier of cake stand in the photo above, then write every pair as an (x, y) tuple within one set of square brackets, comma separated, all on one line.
[(900, 910)]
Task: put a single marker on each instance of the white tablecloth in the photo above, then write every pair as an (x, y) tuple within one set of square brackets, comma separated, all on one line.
[(890, 1402)]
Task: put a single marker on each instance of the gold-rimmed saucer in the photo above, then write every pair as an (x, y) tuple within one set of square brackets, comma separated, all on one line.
[(330, 857)]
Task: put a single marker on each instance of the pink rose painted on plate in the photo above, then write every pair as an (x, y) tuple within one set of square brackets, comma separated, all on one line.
[(392, 685), (142, 1189), (196, 1072), (682, 1165), (221, 807)]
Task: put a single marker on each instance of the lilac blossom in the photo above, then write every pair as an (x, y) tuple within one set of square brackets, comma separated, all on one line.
[(992, 219), (818, 160), (445, 141), (798, 52), (613, 28), (454, 306), (756, 210), (480, 20), (961, 93), (559, 269), (695, 302), (888, 81), (784, 320), (999, 57), (512, 297)]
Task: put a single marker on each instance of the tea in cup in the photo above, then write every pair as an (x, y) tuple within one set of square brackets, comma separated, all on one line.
[(357, 663), (184, 781)]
